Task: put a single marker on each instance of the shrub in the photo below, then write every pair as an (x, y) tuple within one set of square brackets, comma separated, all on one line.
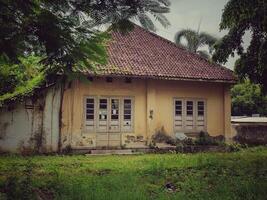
[(205, 139), (161, 136), (234, 147)]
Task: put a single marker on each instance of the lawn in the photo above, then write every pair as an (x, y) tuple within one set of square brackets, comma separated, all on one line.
[(239, 175)]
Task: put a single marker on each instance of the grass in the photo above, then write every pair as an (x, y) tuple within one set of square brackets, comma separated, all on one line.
[(240, 175)]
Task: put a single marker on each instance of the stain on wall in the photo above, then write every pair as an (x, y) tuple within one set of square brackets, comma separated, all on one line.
[(32, 125)]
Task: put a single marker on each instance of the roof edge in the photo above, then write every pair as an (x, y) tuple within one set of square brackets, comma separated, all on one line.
[(164, 78)]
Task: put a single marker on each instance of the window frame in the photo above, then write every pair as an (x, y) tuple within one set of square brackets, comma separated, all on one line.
[(194, 116), (85, 113), (96, 114)]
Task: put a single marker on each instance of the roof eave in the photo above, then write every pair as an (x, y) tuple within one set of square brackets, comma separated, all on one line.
[(164, 78)]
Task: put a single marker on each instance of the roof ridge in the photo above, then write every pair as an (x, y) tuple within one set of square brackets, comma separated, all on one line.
[(183, 49)]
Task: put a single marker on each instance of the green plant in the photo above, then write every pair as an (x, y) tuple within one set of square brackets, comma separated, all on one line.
[(21, 187), (238, 18), (195, 40), (179, 147), (205, 139), (234, 147), (161, 136), (248, 99)]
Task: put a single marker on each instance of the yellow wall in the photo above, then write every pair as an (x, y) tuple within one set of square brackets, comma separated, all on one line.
[(156, 95)]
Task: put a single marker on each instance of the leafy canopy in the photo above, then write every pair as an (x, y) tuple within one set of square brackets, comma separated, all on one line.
[(64, 30), (195, 40), (247, 99), (20, 79), (238, 17), (62, 35)]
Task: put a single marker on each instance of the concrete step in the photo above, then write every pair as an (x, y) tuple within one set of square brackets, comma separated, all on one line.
[(112, 152)]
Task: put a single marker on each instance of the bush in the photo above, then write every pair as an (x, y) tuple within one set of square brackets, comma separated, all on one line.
[(161, 136), (234, 147), (205, 139)]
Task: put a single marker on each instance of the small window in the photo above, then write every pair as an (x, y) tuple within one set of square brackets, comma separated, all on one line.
[(200, 108), (178, 107), (103, 105), (189, 107), (90, 110), (127, 109), (114, 109), (90, 114)]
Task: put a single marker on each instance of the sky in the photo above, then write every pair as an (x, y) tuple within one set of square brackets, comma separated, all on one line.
[(191, 13)]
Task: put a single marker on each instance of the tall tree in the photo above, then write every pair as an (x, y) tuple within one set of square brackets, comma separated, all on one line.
[(195, 40), (64, 34), (247, 99), (238, 17), (64, 30)]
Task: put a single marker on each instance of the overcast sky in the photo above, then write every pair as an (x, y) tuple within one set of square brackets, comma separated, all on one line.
[(189, 13)]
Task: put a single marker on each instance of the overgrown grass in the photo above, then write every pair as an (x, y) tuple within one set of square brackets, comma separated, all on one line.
[(240, 175)]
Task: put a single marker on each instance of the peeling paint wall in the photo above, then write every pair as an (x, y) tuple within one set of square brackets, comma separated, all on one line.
[(149, 95), (32, 126)]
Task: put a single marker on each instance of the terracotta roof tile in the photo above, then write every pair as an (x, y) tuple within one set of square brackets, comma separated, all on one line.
[(141, 53)]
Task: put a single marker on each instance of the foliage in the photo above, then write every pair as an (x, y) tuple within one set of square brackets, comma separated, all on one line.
[(240, 175), (64, 31), (238, 17), (20, 187), (64, 34), (162, 137), (205, 139), (195, 40), (19, 80), (247, 99)]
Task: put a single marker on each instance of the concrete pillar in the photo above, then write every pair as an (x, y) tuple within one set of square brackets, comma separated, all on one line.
[(151, 108), (227, 112)]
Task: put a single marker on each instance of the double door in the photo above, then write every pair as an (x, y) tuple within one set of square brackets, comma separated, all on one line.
[(109, 127)]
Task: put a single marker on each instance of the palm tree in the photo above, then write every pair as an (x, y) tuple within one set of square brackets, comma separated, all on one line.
[(195, 40)]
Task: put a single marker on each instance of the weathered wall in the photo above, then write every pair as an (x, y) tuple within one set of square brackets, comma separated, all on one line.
[(31, 126), (156, 95), (250, 133), (73, 132), (213, 93)]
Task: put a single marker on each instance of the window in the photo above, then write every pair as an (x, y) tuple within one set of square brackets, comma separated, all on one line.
[(178, 120), (102, 115), (109, 114), (189, 115), (189, 120), (178, 108), (127, 115), (200, 118), (200, 108), (189, 108), (114, 109), (90, 113)]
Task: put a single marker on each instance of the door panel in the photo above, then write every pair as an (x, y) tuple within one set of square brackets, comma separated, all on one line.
[(189, 119), (103, 115), (108, 132), (114, 117)]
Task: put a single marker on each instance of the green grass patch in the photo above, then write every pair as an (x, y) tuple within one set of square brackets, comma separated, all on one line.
[(239, 175)]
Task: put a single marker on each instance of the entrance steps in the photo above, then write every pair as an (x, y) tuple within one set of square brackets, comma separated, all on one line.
[(112, 152)]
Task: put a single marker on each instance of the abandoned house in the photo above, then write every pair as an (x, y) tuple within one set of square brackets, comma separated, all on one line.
[(148, 83)]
